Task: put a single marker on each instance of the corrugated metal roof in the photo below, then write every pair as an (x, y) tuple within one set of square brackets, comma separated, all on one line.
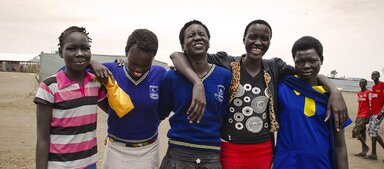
[(19, 57)]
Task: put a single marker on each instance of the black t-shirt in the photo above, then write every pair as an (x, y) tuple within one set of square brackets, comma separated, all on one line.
[(247, 120)]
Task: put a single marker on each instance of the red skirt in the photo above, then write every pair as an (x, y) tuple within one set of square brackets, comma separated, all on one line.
[(246, 156)]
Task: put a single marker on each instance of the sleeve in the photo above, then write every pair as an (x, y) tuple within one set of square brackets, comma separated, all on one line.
[(166, 102), (221, 59), (284, 68), (44, 95)]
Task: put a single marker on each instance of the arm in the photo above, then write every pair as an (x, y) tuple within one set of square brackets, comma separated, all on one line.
[(43, 125), (103, 105), (336, 103), (284, 68), (101, 71), (166, 101), (197, 107), (341, 150)]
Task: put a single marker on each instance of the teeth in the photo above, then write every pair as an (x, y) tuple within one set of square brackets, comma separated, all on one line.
[(198, 45)]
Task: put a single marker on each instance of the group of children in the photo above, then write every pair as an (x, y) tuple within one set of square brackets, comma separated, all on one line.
[(370, 111), (224, 116)]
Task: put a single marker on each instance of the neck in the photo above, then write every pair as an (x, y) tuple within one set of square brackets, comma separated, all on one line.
[(199, 64), (75, 76), (363, 89), (377, 82), (252, 66), (312, 82)]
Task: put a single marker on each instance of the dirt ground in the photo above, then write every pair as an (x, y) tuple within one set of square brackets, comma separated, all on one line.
[(18, 126)]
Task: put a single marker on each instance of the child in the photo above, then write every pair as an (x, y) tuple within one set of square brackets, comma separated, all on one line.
[(66, 108), (304, 139), (194, 145), (132, 139), (377, 113), (364, 99)]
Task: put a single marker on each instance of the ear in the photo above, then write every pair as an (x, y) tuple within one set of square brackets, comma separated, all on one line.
[(60, 53)]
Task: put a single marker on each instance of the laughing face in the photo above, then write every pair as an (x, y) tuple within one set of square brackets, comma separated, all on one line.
[(196, 41), (76, 51), (257, 41)]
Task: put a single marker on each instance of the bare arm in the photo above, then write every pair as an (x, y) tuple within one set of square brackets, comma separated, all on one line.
[(336, 102), (43, 125), (103, 105), (101, 71), (341, 150), (197, 107)]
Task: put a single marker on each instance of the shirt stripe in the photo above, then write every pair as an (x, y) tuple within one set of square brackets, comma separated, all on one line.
[(74, 112), (69, 139), (74, 121), (73, 147)]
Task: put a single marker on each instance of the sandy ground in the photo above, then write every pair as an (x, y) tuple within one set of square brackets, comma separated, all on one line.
[(18, 126)]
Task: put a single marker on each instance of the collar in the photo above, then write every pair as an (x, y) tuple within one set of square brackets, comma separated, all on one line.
[(63, 80), (264, 63)]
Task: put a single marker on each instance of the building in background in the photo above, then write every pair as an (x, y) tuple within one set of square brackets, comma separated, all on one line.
[(16, 62)]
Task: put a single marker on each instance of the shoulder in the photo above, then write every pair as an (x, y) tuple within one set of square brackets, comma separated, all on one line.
[(222, 70), (158, 68), (49, 80), (111, 65)]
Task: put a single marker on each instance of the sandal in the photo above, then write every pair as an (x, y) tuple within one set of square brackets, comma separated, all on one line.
[(371, 157)]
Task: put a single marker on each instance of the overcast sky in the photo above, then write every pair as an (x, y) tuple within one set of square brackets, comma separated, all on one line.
[(352, 31)]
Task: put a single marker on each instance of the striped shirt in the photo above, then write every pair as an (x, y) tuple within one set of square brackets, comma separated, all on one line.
[(73, 124)]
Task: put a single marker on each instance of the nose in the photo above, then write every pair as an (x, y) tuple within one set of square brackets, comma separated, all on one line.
[(79, 53), (258, 41), (197, 37)]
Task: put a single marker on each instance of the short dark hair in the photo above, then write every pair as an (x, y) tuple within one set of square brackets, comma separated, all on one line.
[(363, 80), (186, 25), (308, 42), (258, 21), (144, 39), (68, 31)]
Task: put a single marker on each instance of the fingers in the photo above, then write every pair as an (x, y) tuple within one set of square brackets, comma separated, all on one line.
[(110, 74), (196, 112), (201, 115), (194, 115), (327, 115), (337, 122)]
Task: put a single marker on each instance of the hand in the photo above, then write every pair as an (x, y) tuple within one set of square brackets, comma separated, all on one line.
[(120, 61), (101, 72), (197, 108), (337, 106)]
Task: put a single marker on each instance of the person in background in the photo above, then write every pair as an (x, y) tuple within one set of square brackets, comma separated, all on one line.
[(362, 117), (303, 105), (66, 108), (377, 112)]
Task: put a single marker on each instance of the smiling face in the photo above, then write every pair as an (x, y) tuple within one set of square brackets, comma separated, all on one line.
[(76, 51), (363, 84), (375, 76), (307, 64), (139, 62), (257, 40), (196, 40)]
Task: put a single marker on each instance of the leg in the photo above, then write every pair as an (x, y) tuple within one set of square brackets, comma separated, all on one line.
[(373, 155), (380, 141)]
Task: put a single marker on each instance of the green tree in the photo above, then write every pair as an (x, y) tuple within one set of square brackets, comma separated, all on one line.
[(333, 73)]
